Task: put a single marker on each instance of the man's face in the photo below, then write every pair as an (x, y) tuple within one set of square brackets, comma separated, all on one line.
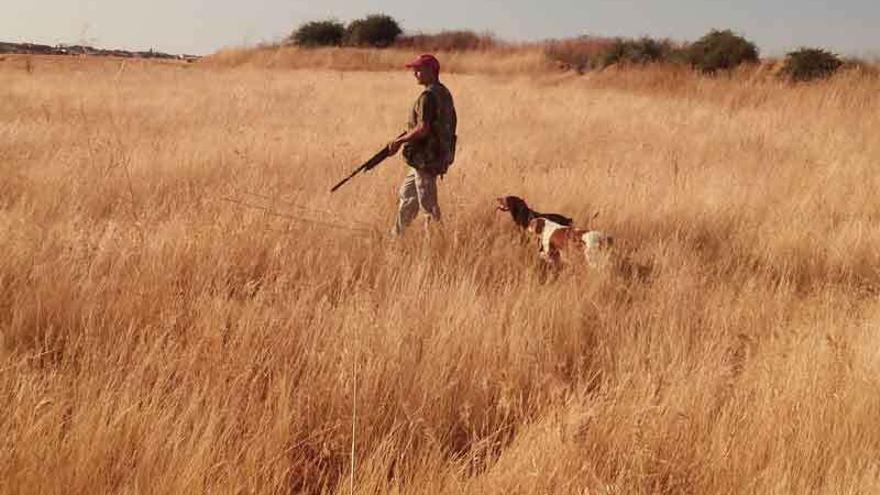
[(424, 75)]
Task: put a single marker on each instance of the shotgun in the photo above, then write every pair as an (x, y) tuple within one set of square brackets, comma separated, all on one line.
[(367, 165)]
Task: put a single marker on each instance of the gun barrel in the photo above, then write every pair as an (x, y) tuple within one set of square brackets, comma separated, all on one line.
[(343, 181), (375, 160)]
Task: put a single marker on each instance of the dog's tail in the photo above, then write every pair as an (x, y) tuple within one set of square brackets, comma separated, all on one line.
[(557, 218)]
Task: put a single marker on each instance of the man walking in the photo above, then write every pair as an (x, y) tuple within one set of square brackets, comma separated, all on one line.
[(428, 144)]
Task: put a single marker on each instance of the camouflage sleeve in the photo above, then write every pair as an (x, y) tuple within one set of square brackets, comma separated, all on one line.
[(427, 108)]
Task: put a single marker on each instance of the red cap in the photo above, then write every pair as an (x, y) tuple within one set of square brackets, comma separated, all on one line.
[(426, 60)]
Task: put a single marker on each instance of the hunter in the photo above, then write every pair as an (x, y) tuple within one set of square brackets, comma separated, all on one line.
[(428, 145)]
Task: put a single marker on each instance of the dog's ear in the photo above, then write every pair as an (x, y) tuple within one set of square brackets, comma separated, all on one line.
[(519, 210)]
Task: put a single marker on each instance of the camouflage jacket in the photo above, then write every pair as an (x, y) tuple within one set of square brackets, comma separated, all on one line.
[(436, 151)]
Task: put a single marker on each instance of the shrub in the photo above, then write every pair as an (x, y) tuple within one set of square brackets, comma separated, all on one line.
[(377, 30), (448, 41), (319, 33), (580, 53), (807, 64), (721, 50), (641, 51)]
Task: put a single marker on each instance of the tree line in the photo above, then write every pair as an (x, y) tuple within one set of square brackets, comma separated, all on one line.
[(717, 50)]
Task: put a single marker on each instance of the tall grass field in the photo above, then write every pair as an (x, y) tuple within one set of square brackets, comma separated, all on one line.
[(185, 308)]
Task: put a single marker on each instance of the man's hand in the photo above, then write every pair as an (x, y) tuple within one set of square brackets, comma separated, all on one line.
[(393, 146)]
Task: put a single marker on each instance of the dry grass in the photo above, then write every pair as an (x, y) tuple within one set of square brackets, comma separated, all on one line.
[(501, 59), (156, 338)]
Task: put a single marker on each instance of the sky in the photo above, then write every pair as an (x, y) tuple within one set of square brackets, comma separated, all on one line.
[(847, 27)]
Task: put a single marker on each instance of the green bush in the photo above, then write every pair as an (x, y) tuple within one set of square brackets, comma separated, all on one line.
[(636, 51), (319, 33), (721, 50), (807, 64), (377, 30)]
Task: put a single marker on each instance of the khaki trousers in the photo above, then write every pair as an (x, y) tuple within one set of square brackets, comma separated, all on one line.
[(418, 192)]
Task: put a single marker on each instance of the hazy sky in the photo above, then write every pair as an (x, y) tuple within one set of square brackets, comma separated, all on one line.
[(202, 26)]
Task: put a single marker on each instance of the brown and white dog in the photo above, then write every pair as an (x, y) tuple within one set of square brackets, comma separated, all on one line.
[(560, 244)]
